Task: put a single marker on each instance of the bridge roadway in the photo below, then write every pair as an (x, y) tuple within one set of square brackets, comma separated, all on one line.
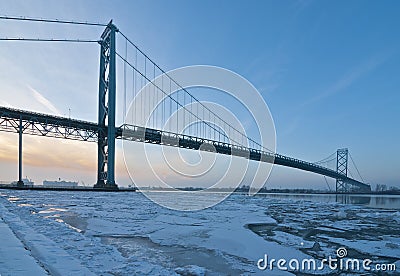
[(60, 127)]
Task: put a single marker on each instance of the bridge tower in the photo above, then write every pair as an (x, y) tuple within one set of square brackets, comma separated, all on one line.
[(341, 167), (106, 110)]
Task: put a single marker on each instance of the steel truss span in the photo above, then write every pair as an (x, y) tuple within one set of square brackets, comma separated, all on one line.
[(48, 125)]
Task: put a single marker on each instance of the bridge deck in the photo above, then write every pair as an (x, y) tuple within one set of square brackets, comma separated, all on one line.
[(48, 125), (148, 135), (61, 127)]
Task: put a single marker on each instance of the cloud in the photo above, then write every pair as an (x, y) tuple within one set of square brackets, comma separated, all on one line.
[(45, 102), (5, 104), (291, 127), (46, 152), (300, 5), (349, 78)]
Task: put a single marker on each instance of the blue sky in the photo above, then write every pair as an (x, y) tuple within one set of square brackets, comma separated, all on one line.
[(328, 71)]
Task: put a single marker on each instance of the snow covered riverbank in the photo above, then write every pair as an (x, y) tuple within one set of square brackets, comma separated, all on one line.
[(126, 234)]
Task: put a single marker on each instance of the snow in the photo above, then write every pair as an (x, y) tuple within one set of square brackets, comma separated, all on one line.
[(191, 270), (89, 233), (14, 257), (53, 258), (341, 214)]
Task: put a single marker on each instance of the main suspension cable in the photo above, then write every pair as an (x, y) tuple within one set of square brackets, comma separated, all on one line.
[(351, 158), (23, 18), (326, 159), (49, 40)]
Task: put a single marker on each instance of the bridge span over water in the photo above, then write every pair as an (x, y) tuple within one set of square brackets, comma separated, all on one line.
[(32, 123), (104, 131)]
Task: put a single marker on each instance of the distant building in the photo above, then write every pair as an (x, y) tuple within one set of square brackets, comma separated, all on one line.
[(27, 182), (60, 183)]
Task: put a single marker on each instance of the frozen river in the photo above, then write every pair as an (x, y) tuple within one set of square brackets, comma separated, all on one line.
[(127, 234)]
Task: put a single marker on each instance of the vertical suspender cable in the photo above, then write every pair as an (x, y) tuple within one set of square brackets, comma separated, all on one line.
[(126, 58), (170, 106)]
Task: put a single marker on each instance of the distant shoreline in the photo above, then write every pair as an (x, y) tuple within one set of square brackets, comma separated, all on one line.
[(191, 189), (73, 189)]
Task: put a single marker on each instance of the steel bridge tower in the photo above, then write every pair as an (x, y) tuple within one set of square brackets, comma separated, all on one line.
[(341, 168), (106, 111)]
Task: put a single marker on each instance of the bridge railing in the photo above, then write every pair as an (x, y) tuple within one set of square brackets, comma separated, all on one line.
[(150, 135), (17, 113)]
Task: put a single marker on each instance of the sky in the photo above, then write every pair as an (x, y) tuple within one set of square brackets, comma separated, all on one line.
[(328, 71)]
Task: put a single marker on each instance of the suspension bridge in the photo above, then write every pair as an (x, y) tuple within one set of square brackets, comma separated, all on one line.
[(203, 135)]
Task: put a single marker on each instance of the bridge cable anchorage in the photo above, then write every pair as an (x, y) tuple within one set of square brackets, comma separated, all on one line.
[(354, 164), (49, 40), (44, 20), (194, 98)]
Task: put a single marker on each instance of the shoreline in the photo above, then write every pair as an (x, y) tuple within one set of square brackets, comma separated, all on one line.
[(135, 189)]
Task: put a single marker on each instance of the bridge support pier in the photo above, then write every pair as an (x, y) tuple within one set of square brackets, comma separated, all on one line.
[(20, 183), (341, 168), (107, 88)]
